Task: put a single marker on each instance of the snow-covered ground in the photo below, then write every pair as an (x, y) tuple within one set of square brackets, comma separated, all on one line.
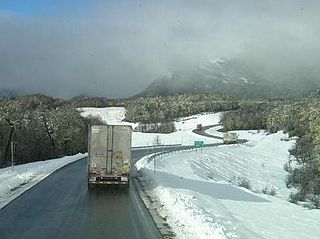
[(180, 137), (15, 181), (110, 115), (251, 135), (184, 126), (190, 123), (197, 200)]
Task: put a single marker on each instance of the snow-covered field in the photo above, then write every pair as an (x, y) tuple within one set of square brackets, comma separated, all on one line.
[(110, 115), (190, 123), (14, 182), (197, 200), (184, 126)]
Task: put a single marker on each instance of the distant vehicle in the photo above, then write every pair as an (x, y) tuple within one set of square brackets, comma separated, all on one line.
[(230, 138), (109, 148), (199, 126)]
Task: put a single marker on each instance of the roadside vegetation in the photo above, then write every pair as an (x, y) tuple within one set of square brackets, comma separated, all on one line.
[(40, 128), (301, 119), (156, 114)]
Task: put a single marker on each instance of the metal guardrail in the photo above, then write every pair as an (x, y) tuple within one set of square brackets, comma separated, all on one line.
[(153, 146), (177, 149)]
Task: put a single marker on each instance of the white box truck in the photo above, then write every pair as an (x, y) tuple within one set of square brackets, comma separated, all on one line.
[(109, 154), (230, 138)]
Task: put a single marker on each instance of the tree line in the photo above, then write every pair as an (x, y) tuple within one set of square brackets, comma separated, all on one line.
[(40, 128), (168, 108)]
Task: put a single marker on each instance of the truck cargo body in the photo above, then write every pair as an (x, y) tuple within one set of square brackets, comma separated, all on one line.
[(109, 148), (230, 138)]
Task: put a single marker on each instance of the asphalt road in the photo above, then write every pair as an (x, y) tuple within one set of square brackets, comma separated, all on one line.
[(202, 131), (60, 206)]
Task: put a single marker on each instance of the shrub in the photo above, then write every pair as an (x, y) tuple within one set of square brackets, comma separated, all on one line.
[(241, 182), (269, 190), (294, 197), (315, 201)]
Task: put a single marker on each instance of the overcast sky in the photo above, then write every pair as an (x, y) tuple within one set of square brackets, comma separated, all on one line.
[(116, 48)]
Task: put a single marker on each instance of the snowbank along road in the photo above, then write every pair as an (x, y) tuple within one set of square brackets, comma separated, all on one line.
[(60, 206)]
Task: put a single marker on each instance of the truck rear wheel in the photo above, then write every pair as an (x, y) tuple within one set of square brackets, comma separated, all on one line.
[(90, 186)]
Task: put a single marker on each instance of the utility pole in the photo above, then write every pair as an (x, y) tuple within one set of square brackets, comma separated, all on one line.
[(154, 158), (12, 155), (148, 148)]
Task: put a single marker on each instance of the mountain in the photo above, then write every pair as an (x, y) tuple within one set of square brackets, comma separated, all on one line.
[(8, 93), (231, 77)]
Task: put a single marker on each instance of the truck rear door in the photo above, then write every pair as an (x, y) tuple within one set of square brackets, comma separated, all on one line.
[(121, 149), (98, 151)]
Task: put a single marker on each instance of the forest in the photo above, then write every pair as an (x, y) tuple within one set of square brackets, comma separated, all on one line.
[(40, 128), (168, 108)]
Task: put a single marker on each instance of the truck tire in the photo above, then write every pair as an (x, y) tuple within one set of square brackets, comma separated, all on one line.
[(90, 186)]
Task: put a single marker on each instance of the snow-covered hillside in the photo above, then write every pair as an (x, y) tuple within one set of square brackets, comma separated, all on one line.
[(197, 200), (15, 181), (110, 115), (184, 126), (184, 134), (190, 123)]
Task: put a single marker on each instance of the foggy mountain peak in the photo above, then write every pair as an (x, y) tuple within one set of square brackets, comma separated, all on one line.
[(112, 49), (168, 75), (232, 77)]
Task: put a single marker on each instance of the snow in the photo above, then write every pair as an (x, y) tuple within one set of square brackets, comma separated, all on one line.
[(252, 135), (217, 61), (190, 123), (202, 227), (215, 131), (14, 181), (183, 135), (184, 138), (110, 115), (245, 80), (168, 75), (197, 200), (184, 126)]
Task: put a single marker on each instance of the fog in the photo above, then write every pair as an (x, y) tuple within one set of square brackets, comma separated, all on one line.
[(116, 49)]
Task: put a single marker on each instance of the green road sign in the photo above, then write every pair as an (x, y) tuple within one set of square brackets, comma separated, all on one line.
[(198, 144)]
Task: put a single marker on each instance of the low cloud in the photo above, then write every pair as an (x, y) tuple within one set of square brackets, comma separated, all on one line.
[(116, 49)]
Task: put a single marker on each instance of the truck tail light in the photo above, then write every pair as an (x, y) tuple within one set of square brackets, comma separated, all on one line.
[(95, 172)]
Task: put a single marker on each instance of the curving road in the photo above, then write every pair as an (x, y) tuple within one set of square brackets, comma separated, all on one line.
[(60, 206), (202, 132)]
